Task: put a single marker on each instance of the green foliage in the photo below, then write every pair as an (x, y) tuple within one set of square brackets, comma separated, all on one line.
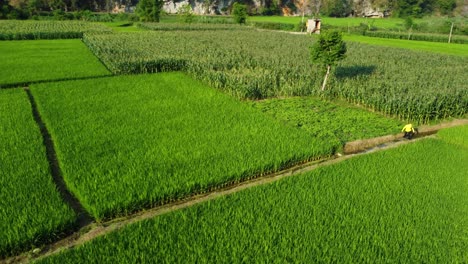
[(32, 211), (149, 10), (186, 14), (329, 121), (418, 36), (156, 134), (328, 49), (455, 135), (414, 8), (273, 26), (44, 60), (27, 30), (245, 67), (446, 7), (239, 11), (337, 8), (408, 205), (189, 27), (430, 47), (409, 23)]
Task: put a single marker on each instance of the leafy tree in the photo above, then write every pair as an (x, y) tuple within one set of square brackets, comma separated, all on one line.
[(337, 8), (149, 10), (185, 13), (446, 7), (327, 51), (415, 8), (239, 11)]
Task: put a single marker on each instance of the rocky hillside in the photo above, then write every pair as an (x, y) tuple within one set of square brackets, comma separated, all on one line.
[(281, 7)]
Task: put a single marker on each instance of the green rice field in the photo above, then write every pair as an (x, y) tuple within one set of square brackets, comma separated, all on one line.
[(26, 61), (32, 211), (408, 204), (130, 142), (30, 29)]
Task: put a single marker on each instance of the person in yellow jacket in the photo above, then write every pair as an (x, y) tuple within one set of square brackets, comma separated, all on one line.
[(409, 131)]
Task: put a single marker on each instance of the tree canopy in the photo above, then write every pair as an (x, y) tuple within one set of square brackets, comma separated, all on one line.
[(149, 10), (327, 51)]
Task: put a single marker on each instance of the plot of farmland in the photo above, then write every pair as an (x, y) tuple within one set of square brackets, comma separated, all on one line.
[(408, 205), (45, 60), (31, 208), (22, 30), (131, 141), (332, 121), (255, 65)]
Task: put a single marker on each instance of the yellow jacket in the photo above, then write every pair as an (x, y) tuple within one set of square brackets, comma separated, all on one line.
[(408, 128)]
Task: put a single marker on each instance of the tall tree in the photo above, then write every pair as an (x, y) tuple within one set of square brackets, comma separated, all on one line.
[(149, 10), (239, 11), (327, 51)]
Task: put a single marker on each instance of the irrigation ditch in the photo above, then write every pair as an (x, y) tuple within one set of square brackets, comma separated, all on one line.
[(87, 229)]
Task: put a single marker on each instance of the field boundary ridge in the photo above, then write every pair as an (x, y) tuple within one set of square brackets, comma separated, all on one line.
[(22, 85), (83, 217)]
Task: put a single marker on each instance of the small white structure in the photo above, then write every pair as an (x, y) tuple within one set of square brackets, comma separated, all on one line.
[(313, 26)]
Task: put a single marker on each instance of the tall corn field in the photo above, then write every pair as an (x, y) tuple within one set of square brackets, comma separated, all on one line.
[(247, 64)]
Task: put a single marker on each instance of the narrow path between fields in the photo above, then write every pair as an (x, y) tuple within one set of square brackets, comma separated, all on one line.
[(352, 149), (83, 218)]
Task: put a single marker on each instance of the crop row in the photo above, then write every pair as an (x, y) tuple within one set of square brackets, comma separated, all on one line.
[(408, 204), (417, 36), (27, 30), (32, 211), (189, 26), (254, 65), (131, 142)]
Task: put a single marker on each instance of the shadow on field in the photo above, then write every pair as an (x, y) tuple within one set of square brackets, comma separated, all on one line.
[(354, 71)]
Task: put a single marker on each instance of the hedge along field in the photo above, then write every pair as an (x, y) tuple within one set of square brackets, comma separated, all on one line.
[(131, 142), (27, 30), (251, 64), (44, 60), (408, 205), (32, 211), (331, 121)]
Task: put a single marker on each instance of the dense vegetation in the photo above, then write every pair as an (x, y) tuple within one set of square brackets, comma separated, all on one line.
[(384, 79), (330, 121), (417, 36), (189, 26), (24, 62), (408, 204), (135, 141), (32, 211), (21, 30), (421, 46)]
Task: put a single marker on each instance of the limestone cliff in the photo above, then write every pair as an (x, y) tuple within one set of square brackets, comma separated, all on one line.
[(287, 7)]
